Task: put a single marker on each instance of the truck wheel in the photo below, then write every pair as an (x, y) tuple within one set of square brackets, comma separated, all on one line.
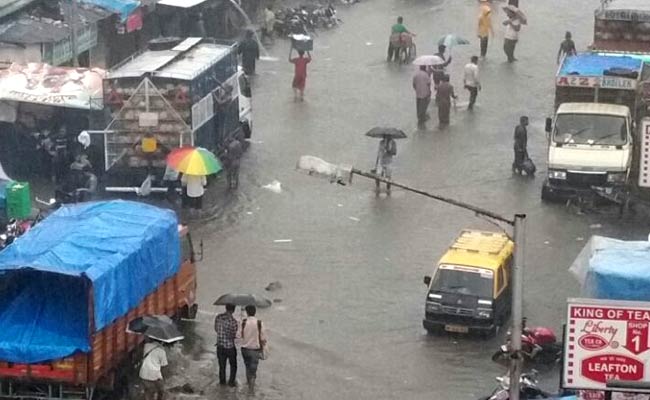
[(248, 131), (547, 194)]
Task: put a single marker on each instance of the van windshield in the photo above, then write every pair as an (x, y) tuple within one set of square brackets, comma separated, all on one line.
[(590, 129), (462, 282)]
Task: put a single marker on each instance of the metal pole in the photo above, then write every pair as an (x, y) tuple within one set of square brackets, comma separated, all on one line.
[(517, 305), (73, 34)]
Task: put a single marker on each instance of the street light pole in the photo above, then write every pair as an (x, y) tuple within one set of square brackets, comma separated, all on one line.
[(316, 166), (517, 305)]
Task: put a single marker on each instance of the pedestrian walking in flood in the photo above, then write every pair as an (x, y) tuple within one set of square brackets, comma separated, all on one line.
[(269, 23), (233, 157), (422, 87), (485, 29), (252, 346), (567, 47), (521, 147), (444, 95), (471, 81), (438, 71), (194, 190), (154, 359), (250, 53), (300, 73), (227, 327), (511, 37), (395, 38), (383, 165)]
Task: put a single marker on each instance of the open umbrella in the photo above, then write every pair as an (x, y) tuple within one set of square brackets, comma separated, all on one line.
[(451, 39), (518, 13), (243, 300), (380, 132), (158, 327), (194, 161), (429, 60)]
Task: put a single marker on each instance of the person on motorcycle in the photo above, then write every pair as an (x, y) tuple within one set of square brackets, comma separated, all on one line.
[(395, 37)]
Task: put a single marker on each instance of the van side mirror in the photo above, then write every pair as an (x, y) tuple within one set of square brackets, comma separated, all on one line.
[(549, 125), (427, 280)]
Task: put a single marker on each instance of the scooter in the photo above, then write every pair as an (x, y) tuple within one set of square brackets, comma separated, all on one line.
[(528, 388), (538, 345)]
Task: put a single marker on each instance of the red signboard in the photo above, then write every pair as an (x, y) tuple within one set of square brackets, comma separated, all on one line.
[(606, 340), (612, 367)]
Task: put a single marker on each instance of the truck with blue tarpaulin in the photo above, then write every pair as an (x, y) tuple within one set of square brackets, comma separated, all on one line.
[(601, 105), (179, 93), (70, 286)]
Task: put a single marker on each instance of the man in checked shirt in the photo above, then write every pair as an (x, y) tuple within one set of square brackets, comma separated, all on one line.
[(227, 327)]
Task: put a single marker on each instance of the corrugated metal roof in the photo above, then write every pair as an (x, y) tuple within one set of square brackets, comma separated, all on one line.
[(27, 29), (11, 6), (172, 64)]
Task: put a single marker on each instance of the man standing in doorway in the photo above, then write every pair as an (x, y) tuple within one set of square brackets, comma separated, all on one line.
[(422, 87), (485, 29), (471, 81), (226, 327)]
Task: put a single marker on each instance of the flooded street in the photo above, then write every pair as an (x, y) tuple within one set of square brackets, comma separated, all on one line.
[(347, 322)]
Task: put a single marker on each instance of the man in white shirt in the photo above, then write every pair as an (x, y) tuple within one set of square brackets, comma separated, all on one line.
[(150, 372), (194, 188), (471, 81), (253, 340), (513, 26)]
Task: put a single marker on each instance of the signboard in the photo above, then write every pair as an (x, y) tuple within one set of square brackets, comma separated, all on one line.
[(644, 159), (606, 340), (625, 15), (54, 86), (604, 82)]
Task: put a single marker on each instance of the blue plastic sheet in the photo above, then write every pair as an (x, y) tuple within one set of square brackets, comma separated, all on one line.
[(124, 250), (614, 269), (122, 7), (589, 64)]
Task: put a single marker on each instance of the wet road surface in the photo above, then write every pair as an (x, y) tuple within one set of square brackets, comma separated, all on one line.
[(349, 321)]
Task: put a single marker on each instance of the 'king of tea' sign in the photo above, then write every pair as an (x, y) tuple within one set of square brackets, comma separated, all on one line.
[(606, 340)]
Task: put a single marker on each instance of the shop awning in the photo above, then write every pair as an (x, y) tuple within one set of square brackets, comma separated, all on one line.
[(123, 8), (55, 86)]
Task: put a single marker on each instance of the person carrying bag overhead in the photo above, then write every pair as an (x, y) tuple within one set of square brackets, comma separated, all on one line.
[(253, 344)]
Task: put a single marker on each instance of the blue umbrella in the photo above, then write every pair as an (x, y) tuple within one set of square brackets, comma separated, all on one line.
[(451, 39)]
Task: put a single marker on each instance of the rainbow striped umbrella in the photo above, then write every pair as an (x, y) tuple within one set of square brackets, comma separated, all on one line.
[(194, 161)]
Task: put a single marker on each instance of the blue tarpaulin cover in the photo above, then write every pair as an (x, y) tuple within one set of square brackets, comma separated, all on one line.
[(614, 269), (589, 64), (124, 250), (122, 7)]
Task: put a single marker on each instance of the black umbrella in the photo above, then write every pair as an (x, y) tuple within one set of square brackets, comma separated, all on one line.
[(243, 300), (380, 132), (159, 327)]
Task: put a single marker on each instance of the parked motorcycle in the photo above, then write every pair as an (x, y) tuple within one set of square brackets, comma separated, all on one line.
[(538, 345), (528, 388)]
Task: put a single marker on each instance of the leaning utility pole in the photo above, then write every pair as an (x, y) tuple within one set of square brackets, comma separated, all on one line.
[(337, 173), (73, 16)]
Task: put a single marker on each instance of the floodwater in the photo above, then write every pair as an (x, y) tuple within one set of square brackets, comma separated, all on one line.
[(347, 322)]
